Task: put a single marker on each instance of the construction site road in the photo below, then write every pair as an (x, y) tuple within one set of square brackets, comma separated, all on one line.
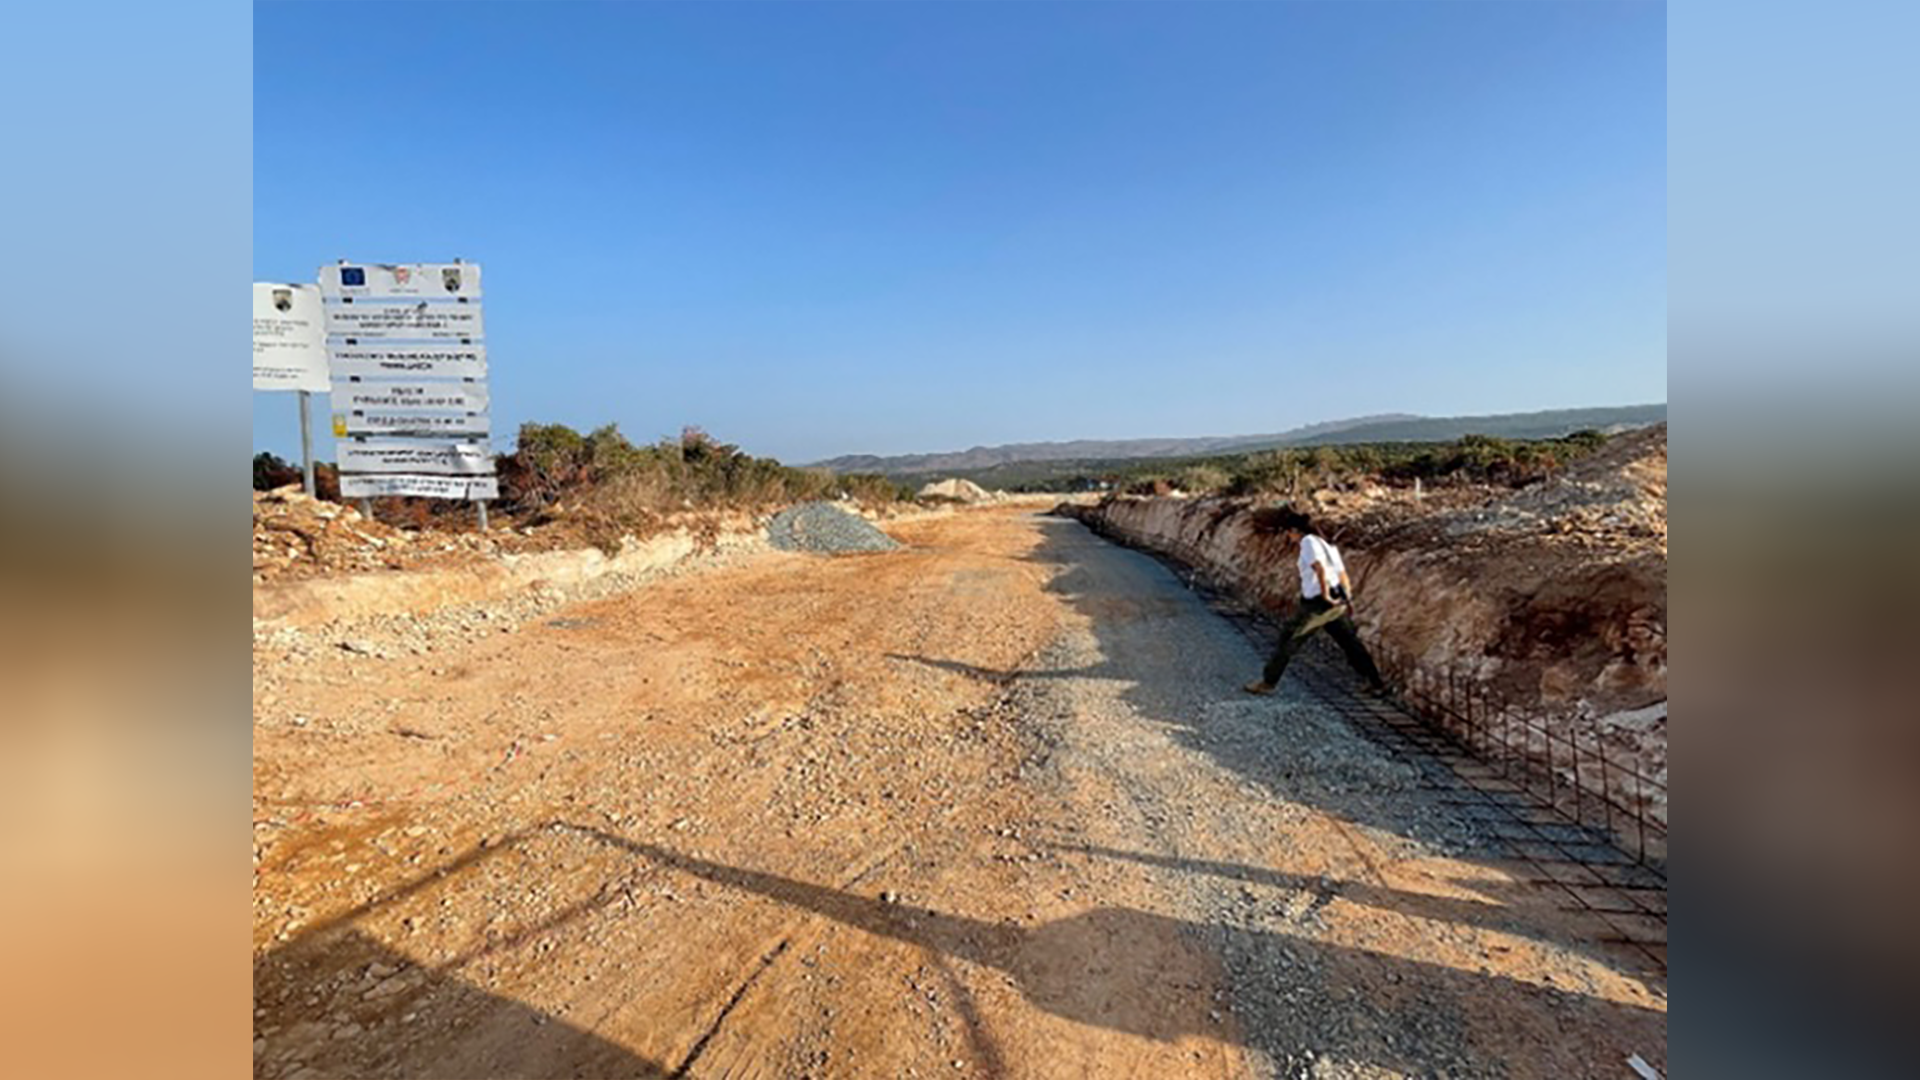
[(989, 805)]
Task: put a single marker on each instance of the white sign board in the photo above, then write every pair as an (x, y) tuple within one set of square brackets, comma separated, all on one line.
[(405, 347), (375, 320), (441, 459), (432, 487), (391, 423), (422, 361), (461, 397), (289, 338), (404, 279)]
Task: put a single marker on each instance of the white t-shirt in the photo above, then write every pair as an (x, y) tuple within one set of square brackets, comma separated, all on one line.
[(1315, 550)]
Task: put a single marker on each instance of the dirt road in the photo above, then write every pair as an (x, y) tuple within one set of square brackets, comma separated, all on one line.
[(989, 806)]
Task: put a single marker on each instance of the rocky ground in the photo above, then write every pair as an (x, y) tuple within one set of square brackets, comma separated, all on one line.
[(295, 536), (1609, 505), (990, 805)]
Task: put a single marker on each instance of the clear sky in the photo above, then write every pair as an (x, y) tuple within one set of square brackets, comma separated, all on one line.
[(817, 229)]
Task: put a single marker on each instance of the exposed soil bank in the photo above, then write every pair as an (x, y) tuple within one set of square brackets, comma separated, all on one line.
[(418, 592), (1551, 600), (443, 571)]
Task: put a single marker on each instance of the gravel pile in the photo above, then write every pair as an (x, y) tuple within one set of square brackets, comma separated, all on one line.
[(824, 527)]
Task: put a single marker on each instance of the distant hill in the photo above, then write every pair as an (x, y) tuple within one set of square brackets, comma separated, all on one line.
[(1550, 424), (1396, 427)]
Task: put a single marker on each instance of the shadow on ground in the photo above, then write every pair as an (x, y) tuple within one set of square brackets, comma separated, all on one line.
[(329, 1027), (1098, 968)]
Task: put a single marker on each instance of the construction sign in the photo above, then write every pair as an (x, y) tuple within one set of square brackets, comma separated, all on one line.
[(410, 400)]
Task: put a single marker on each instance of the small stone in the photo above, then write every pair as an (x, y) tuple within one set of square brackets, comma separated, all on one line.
[(386, 989)]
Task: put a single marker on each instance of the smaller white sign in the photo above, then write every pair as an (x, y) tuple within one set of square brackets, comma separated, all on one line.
[(462, 397), (441, 459), (289, 338), (402, 279), (423, 361), (405, 320), (382, 423), (432, 487)]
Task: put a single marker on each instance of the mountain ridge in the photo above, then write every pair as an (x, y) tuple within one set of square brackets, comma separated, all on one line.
[(1387, 427)]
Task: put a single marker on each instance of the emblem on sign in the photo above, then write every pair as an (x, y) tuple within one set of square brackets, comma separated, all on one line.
[(401, 274), (450, 277), (283, 299)]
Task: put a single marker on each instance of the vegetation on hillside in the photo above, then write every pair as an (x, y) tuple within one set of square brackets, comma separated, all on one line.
[(1402, 428), (611, 485), (602, 470), (604, 479), (1294, 471)]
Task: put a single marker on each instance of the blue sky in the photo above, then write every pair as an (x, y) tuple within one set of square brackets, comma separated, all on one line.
[(818, 229)]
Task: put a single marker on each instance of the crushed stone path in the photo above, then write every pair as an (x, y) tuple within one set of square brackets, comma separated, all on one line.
[(1362, 929)]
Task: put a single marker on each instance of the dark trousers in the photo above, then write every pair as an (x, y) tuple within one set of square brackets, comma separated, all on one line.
[(1318, 613)]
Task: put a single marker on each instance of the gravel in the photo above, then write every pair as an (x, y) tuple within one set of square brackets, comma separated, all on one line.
[(1214, 778), (824, 527)]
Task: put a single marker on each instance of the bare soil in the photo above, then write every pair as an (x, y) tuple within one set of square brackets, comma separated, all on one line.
[(991, 805)]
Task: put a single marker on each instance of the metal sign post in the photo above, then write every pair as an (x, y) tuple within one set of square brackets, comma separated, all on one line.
[(306, 442)]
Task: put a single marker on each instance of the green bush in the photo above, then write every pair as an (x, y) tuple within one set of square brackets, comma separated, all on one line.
[(608, 476), (1202, 479), (271, 471)]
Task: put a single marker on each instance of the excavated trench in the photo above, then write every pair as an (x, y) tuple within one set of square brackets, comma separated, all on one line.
[(1543, 662)]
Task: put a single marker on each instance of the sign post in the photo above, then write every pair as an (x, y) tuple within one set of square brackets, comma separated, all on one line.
[(290, 351), (306, 440), (409, 363)]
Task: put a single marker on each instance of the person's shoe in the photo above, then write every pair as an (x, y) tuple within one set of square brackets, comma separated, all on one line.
[(1258, 687)]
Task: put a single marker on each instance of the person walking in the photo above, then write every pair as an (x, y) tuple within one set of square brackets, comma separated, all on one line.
[(1326, 603)]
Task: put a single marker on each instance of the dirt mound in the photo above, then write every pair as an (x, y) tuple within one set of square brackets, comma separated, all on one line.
[(825, 528), (1608, 506), (1640, 454), (956, 490)]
